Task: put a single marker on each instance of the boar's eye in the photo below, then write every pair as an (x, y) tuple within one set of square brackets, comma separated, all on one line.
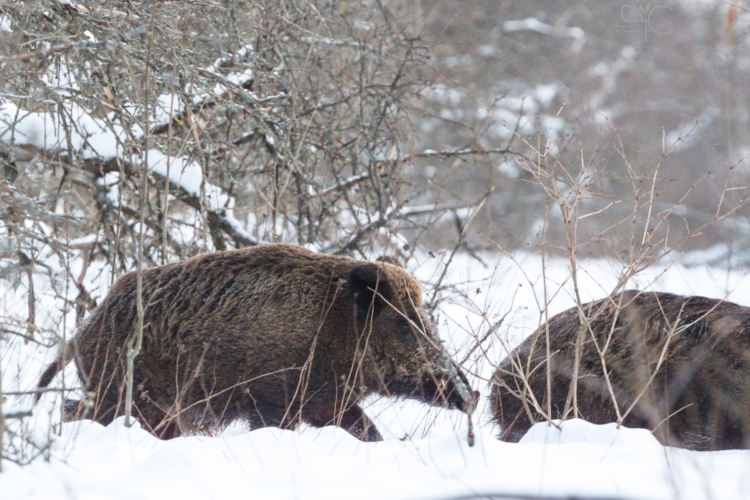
[(405, 331)]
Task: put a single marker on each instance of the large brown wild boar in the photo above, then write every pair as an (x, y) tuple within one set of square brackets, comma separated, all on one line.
[(273, 335), (698, 399)]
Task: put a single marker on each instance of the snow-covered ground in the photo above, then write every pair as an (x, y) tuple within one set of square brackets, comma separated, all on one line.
[(115, 462), (425, 453)]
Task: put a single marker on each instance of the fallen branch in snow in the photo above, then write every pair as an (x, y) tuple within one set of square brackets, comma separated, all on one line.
[(463, 390)]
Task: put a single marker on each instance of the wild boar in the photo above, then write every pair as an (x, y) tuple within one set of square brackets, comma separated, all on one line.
[(273, 335), (698, 398)]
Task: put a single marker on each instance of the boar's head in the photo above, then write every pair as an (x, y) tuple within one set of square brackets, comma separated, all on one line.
[(406, 357)]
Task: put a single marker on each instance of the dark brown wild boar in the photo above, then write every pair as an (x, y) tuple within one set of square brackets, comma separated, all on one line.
[(273, 335), (698, 399)]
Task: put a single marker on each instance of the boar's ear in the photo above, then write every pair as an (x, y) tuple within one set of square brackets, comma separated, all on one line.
[(390, 260), (362, 281)]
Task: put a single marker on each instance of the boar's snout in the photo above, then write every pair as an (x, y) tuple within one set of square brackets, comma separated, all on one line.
[(443, 392)]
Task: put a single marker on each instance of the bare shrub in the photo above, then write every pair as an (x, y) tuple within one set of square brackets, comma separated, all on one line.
[(133, 135), (572, 185)]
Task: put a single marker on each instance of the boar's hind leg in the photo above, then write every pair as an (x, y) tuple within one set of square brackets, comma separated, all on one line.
[(353, 420)]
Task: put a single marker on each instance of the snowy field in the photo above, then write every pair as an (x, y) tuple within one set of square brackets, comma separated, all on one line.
[(425, 453)]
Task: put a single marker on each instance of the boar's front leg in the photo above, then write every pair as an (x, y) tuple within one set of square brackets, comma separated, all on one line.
[(359, 425), (353, 420)]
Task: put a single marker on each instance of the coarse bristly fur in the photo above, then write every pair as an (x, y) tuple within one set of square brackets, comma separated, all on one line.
[(698, 399), (273, 335)]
